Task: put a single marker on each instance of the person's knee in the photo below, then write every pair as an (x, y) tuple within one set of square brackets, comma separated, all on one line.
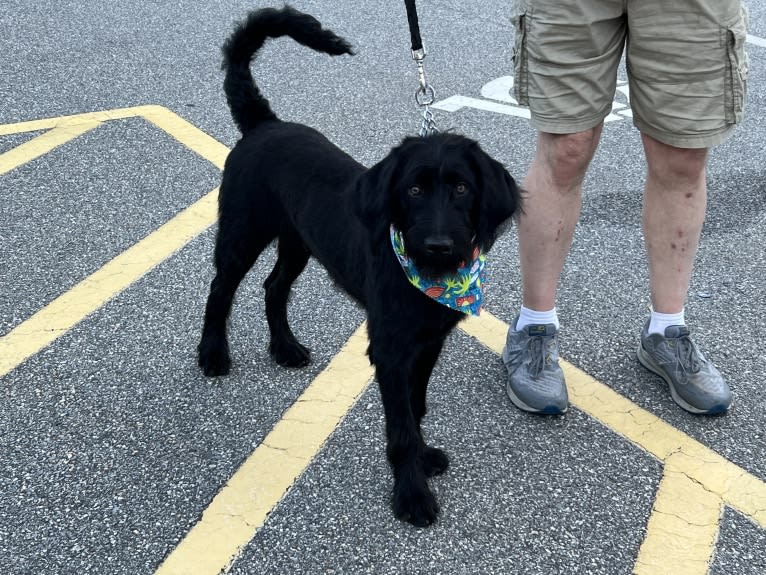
[(567, 156), (675, 165)]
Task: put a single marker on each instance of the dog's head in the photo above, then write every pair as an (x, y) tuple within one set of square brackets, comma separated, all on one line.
[(446, 196)]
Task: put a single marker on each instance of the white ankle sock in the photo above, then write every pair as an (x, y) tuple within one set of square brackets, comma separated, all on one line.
[(659, 321), (531, 317)]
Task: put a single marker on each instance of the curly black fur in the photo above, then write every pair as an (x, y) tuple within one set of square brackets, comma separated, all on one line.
[(287, 181)]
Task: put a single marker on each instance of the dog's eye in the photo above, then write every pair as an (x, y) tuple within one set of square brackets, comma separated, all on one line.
[(461, 189), (415, 191)]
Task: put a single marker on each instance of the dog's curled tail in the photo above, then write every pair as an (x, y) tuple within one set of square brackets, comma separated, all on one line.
[(247, 104)]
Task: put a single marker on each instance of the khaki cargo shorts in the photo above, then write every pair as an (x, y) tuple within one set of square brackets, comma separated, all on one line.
[(685, 59)]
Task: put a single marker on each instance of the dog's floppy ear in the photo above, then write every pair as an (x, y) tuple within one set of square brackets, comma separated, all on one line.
[(374, 193), (499, 199)]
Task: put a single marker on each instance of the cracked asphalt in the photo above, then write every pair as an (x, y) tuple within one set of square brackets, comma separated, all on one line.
[(112, 444)]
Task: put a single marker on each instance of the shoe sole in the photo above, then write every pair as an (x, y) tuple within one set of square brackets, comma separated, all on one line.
[(547, 410), (646, 360)]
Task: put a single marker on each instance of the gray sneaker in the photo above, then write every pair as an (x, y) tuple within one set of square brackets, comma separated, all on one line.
[(695, 384), (535, 380)]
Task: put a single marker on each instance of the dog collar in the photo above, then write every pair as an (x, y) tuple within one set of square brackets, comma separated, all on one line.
[(460, 291)]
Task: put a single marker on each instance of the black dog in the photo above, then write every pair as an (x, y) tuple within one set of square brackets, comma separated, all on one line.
[(287, 181)]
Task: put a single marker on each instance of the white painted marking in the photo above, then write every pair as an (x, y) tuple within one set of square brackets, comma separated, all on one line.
[(456, 102), (499, 89)]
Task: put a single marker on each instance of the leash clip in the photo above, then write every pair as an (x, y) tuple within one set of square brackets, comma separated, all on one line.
[(425, 95)]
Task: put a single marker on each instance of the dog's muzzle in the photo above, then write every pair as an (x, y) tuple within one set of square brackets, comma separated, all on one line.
[(460, 290)]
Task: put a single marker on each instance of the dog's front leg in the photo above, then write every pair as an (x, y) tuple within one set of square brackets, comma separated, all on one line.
[(412, 499), (433, 460)]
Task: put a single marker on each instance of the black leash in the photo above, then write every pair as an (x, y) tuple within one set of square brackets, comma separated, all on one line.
[(412, 17), (425, 95)]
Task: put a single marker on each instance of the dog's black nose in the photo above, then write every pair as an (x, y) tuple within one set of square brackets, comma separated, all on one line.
[(439, 245)]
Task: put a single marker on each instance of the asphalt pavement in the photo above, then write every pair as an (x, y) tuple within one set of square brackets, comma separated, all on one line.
[(113, 445)]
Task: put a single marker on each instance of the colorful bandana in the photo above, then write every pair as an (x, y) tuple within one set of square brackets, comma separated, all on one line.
[(461, 291)]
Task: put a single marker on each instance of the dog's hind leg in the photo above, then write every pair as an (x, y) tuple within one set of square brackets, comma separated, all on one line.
[(292, 259), (234, 256)]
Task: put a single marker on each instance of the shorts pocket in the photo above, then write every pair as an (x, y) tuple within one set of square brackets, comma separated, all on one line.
[(736, 69), (520, 59)]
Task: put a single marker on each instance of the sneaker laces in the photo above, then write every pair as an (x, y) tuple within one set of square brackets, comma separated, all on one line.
[(687, 356), (539, 353)]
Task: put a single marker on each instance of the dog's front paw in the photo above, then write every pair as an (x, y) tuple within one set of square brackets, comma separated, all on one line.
[(213, 357), (434, 461), (290, 354), (415, 503)]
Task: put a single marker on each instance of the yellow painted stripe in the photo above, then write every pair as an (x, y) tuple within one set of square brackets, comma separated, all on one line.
[(683, 528), (187, 134), (182, 130), (242, 506), (737, 488), (75, 119), (687, 461), (42, 144), (72, 120), (63, 313)]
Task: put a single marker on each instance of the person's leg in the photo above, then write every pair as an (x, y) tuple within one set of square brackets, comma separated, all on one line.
[(683, 105), (552, 207), (551, 210), (566, 56), (674, 210), (675, 197)]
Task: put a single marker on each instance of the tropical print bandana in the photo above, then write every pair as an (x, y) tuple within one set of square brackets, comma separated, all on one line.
[(461, 291)]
